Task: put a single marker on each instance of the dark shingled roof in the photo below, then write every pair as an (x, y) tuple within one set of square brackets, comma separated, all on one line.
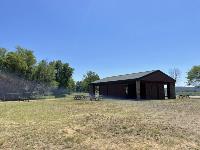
[(132, 76)]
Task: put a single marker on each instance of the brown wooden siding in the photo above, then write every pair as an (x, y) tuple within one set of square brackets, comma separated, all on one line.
[(103, 90), (117, 90), (158, 77), (155, 90)]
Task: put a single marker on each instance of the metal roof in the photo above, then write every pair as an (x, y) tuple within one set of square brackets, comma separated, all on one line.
[(132, 76)]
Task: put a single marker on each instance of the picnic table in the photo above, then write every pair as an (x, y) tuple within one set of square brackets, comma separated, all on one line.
[(80, 97), (183, 96), (91, 97), (96, 97)]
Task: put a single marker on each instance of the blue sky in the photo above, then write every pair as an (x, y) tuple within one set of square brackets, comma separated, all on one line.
[(109, 37)]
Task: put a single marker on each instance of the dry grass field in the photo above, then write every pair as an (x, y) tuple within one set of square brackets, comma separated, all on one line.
[(68, 124)]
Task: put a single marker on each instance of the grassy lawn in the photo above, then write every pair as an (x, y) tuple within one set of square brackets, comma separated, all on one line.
[(68, 124)]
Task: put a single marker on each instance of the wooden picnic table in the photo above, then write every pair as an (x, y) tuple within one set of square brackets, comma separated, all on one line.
[(80, 97), (96, 97), (183, 96), (91, 97)]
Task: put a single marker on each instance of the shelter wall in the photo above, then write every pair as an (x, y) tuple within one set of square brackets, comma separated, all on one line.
[(158, 77), (154, 90)]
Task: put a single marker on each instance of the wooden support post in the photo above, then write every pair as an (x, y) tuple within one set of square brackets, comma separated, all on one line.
[(138, 89), (171, 90), (92, 89)]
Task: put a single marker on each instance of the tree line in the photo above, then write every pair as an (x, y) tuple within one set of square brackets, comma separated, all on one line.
[(22, 63)]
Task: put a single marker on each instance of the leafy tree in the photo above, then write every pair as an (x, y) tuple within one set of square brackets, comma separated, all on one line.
[(3, 52), (193, 76), (45, 72), (29, 59), (26, 55), (58, 70), (89, 78), (20, 62), (72, 85), (79, 86), (63, 73), (66, 75), (15, 64)]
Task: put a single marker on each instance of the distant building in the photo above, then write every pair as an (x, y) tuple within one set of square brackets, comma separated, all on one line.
[(142, 85)]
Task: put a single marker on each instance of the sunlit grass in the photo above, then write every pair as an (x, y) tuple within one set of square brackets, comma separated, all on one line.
[(65, 124)]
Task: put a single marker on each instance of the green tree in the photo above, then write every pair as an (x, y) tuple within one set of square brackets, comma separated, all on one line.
[(3, 52), (193, 76), (14, 64), (89, 78), (63, 73), (79, 86), (20, 62), (45, 72), (66, 75), (58, 70), (72, 85), (26, 55), (29, 59)]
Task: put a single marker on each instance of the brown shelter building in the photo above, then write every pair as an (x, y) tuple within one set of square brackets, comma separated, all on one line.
[(142, 85)]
